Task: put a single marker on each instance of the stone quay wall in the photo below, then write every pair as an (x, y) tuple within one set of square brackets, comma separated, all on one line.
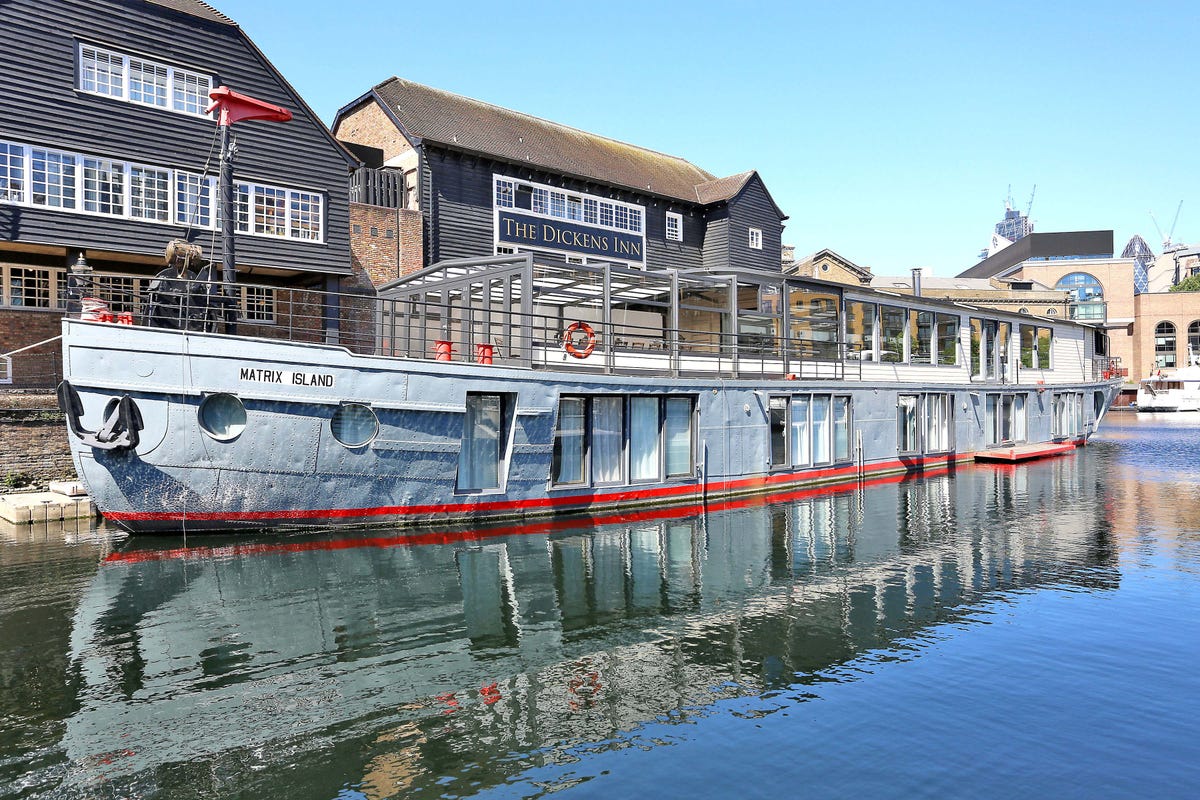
[(33, 441)]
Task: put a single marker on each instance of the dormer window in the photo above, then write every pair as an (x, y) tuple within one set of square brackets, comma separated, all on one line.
[(674, 227), (142, 81)]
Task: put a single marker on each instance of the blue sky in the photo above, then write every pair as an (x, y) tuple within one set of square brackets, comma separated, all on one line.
[(889, 132)]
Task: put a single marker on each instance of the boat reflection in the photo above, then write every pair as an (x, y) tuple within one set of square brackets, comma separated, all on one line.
[(388, 663)]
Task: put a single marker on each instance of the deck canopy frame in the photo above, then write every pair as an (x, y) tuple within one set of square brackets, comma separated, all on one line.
[(518, 310)]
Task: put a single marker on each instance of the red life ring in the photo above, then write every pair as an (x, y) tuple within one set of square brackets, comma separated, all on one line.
[(569, 343)]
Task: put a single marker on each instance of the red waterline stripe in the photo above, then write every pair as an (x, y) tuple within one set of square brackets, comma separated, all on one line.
[(522, 505), (521, 528)]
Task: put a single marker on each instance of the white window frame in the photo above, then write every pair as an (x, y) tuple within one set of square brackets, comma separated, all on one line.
[(554, 203), (303, 210), (755, 240), (183, 91), (674, 227), (192, 190), (14, 170)]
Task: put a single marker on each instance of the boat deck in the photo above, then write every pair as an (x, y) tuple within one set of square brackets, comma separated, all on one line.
[(1025, 452)]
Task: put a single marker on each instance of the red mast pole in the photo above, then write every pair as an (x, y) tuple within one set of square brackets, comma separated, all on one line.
[(234, 107)]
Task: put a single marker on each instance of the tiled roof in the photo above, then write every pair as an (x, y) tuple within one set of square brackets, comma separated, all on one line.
[(196, 8), (722, 188), (465, 124)]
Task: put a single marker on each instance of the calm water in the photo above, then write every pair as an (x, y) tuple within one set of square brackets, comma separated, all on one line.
[(994, 632)]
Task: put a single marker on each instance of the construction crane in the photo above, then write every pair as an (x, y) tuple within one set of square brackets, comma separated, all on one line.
[(1167, 246), (1029, 207)]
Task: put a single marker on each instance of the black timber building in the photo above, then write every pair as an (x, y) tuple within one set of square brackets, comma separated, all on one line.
[(106, 150), (487, 180)]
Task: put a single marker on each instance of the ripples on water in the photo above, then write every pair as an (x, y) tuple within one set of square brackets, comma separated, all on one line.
[(992, 632)]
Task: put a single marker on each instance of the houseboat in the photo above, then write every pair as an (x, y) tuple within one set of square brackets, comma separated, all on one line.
[(1177, 391), (513, 386)]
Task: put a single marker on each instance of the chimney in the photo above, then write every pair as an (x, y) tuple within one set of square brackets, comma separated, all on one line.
[(916, 281)]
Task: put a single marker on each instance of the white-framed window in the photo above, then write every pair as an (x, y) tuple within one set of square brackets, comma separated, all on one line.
[(88, 184), (12, 173), (103, 186), (101, 71), (150, 194), (269, 210), (755, 239), (305, 216), (541, 200), (276, 211), (147, 83), (622, 217), (504, 194), (143, 81), (194, 199), (674, 227), (189, 92), (258, 304), (550, 202), (53, 178)]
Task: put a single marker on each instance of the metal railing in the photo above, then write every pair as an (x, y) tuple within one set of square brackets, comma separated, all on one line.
[(370, 325), (40, 369)]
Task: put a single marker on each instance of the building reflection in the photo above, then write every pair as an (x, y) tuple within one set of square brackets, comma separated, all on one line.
[(401, 659)]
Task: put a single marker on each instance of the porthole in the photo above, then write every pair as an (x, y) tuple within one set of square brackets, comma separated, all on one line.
[(222, 416), (354, 425)]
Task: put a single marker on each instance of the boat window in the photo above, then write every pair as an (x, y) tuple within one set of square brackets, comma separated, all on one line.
[(678, 430), (891, 334), (567, 459), (939, 423), (907, 431), (947, 339), (354, 425), (860, 331), (483, 432), (841, 428), (1068, 414), (1045, 339), (1005, 419), (645, 441), (920, 336), (1028, 335), (1003, 333), (820, 429), (222, 416), (777, 430), (814, 326), (801, 441), (1005, 431), (608, 439)]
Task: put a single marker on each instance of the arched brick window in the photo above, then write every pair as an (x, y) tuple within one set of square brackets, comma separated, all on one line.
[(1164, 345)]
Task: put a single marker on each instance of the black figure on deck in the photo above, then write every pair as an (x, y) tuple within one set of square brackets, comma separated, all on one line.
[(173, 297), (187, 295)]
